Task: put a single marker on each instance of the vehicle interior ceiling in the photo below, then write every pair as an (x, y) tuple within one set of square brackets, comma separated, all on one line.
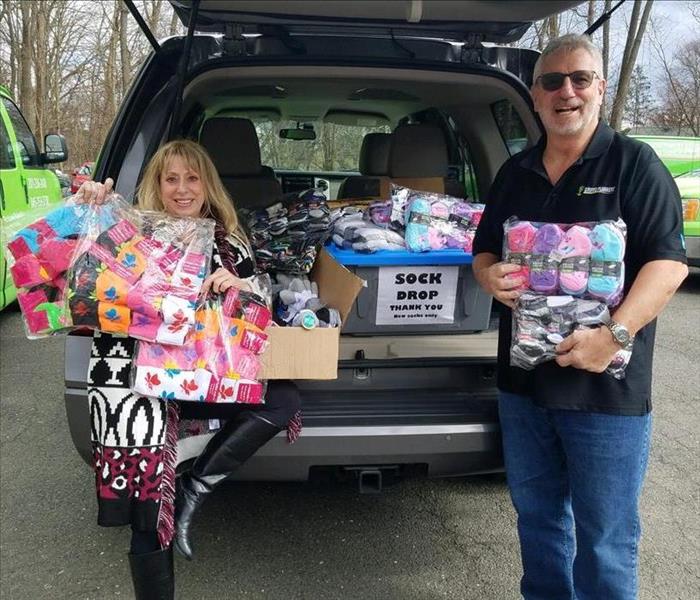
[(307, 94)]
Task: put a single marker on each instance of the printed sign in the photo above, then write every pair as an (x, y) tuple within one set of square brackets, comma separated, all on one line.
[(415, 295)]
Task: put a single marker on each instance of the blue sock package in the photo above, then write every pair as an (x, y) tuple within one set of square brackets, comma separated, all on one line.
[(418, 225)]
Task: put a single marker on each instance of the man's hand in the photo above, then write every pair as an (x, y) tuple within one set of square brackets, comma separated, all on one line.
[(497, 280), (588, 349)]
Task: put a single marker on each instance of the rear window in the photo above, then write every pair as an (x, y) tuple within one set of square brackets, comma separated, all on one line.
[(336, 147), (510, 125)]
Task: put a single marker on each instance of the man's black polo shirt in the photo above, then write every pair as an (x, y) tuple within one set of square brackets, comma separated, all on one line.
[(616, 177)]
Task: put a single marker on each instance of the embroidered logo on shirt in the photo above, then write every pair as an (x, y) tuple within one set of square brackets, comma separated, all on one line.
[(603, 189)]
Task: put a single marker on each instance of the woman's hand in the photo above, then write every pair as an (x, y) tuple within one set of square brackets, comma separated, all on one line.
[(94, 192), (221, 280)]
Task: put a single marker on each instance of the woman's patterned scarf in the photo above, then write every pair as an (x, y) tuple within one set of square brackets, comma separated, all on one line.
[(234, 255)]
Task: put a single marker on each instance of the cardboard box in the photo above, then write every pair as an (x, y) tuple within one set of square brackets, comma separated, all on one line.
[(423, 184), (298, 353)]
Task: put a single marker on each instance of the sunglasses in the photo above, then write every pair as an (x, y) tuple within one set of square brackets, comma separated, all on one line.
[(581, 80)]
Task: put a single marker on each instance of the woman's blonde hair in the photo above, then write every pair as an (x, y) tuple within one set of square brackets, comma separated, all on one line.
[(217, 202)]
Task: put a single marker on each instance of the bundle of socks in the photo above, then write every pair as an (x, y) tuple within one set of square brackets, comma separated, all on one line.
[(460, 214), (220, 359), (309, 217), (286, 236), (439, 224), (519, 242), (542, 322), (582, 259), (399, 201), (574, 252), (418, 222), (436, 221), (141, 277), (346, 221), (607, 273), (379, 213), (371, 238), (42, 253), (296, 296), (539, 324), (544, 269)]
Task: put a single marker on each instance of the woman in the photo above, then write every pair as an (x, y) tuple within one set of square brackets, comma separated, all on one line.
[(135, 481)]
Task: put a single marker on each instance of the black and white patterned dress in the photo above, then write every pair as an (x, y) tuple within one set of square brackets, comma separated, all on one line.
[(134, 438)]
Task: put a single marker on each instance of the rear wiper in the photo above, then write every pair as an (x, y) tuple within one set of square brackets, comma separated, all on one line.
[(602, 19)]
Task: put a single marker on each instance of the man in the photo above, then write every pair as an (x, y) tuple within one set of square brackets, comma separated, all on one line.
[(576, 439)]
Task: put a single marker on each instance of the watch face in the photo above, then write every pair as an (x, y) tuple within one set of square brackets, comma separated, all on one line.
[(621, 335)]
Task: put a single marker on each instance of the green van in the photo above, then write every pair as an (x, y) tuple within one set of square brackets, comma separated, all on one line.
[(681, 155), (26, 184)]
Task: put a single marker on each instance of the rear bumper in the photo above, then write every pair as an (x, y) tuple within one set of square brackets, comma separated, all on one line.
[(444, 450)]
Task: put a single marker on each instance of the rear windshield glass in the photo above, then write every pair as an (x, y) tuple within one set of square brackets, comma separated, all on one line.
[(510, 125), (336, 147)]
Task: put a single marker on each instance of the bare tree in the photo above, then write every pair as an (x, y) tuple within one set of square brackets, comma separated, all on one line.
[(26, 91), (606, 53), (124, 51), (635, 34)]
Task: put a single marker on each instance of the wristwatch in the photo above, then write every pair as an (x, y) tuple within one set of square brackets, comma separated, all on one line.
[(620, 334)]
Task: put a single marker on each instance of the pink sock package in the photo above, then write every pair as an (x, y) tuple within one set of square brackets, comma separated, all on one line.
[(140, 273), (40, 248), (219, 360), (584, 260)]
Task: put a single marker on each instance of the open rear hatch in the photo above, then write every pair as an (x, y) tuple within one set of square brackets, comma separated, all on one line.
[(500, 21)]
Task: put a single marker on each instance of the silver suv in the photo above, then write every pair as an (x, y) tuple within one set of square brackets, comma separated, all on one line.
[(407, 399)]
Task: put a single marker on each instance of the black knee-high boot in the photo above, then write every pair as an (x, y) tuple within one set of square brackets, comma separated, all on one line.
[(153, 575), (235, 443)]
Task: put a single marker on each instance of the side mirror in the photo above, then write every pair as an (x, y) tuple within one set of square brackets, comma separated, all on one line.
[(55, 148), (305, 132)]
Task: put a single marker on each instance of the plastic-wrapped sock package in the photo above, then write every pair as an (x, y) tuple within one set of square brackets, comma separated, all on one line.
[(40, 249), (219, 360), (574, 253), (584, 260), (287, 236), (139, 275), (540, 323), (436, 221), (519, 242)]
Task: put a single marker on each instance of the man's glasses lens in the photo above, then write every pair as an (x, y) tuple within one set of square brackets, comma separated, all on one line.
[(579, 79)]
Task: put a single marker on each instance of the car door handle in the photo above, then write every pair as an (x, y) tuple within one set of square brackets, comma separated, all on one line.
[(2, 195)]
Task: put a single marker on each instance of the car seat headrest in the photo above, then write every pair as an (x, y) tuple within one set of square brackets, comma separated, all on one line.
[(418, 151), (374, 154), (233, 145)]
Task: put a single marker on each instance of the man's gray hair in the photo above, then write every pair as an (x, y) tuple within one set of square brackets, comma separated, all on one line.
[(569, 43)]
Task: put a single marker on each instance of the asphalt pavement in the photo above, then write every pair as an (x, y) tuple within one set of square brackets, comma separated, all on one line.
[(419, 539)]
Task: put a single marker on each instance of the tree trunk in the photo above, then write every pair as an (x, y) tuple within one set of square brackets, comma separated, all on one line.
[(26, 91), (629, 58), (124, 52), (174, 24), (41, 67), (591, 12), (606, 56)]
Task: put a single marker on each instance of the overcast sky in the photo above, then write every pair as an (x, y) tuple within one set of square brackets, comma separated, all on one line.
[(672, 22)]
